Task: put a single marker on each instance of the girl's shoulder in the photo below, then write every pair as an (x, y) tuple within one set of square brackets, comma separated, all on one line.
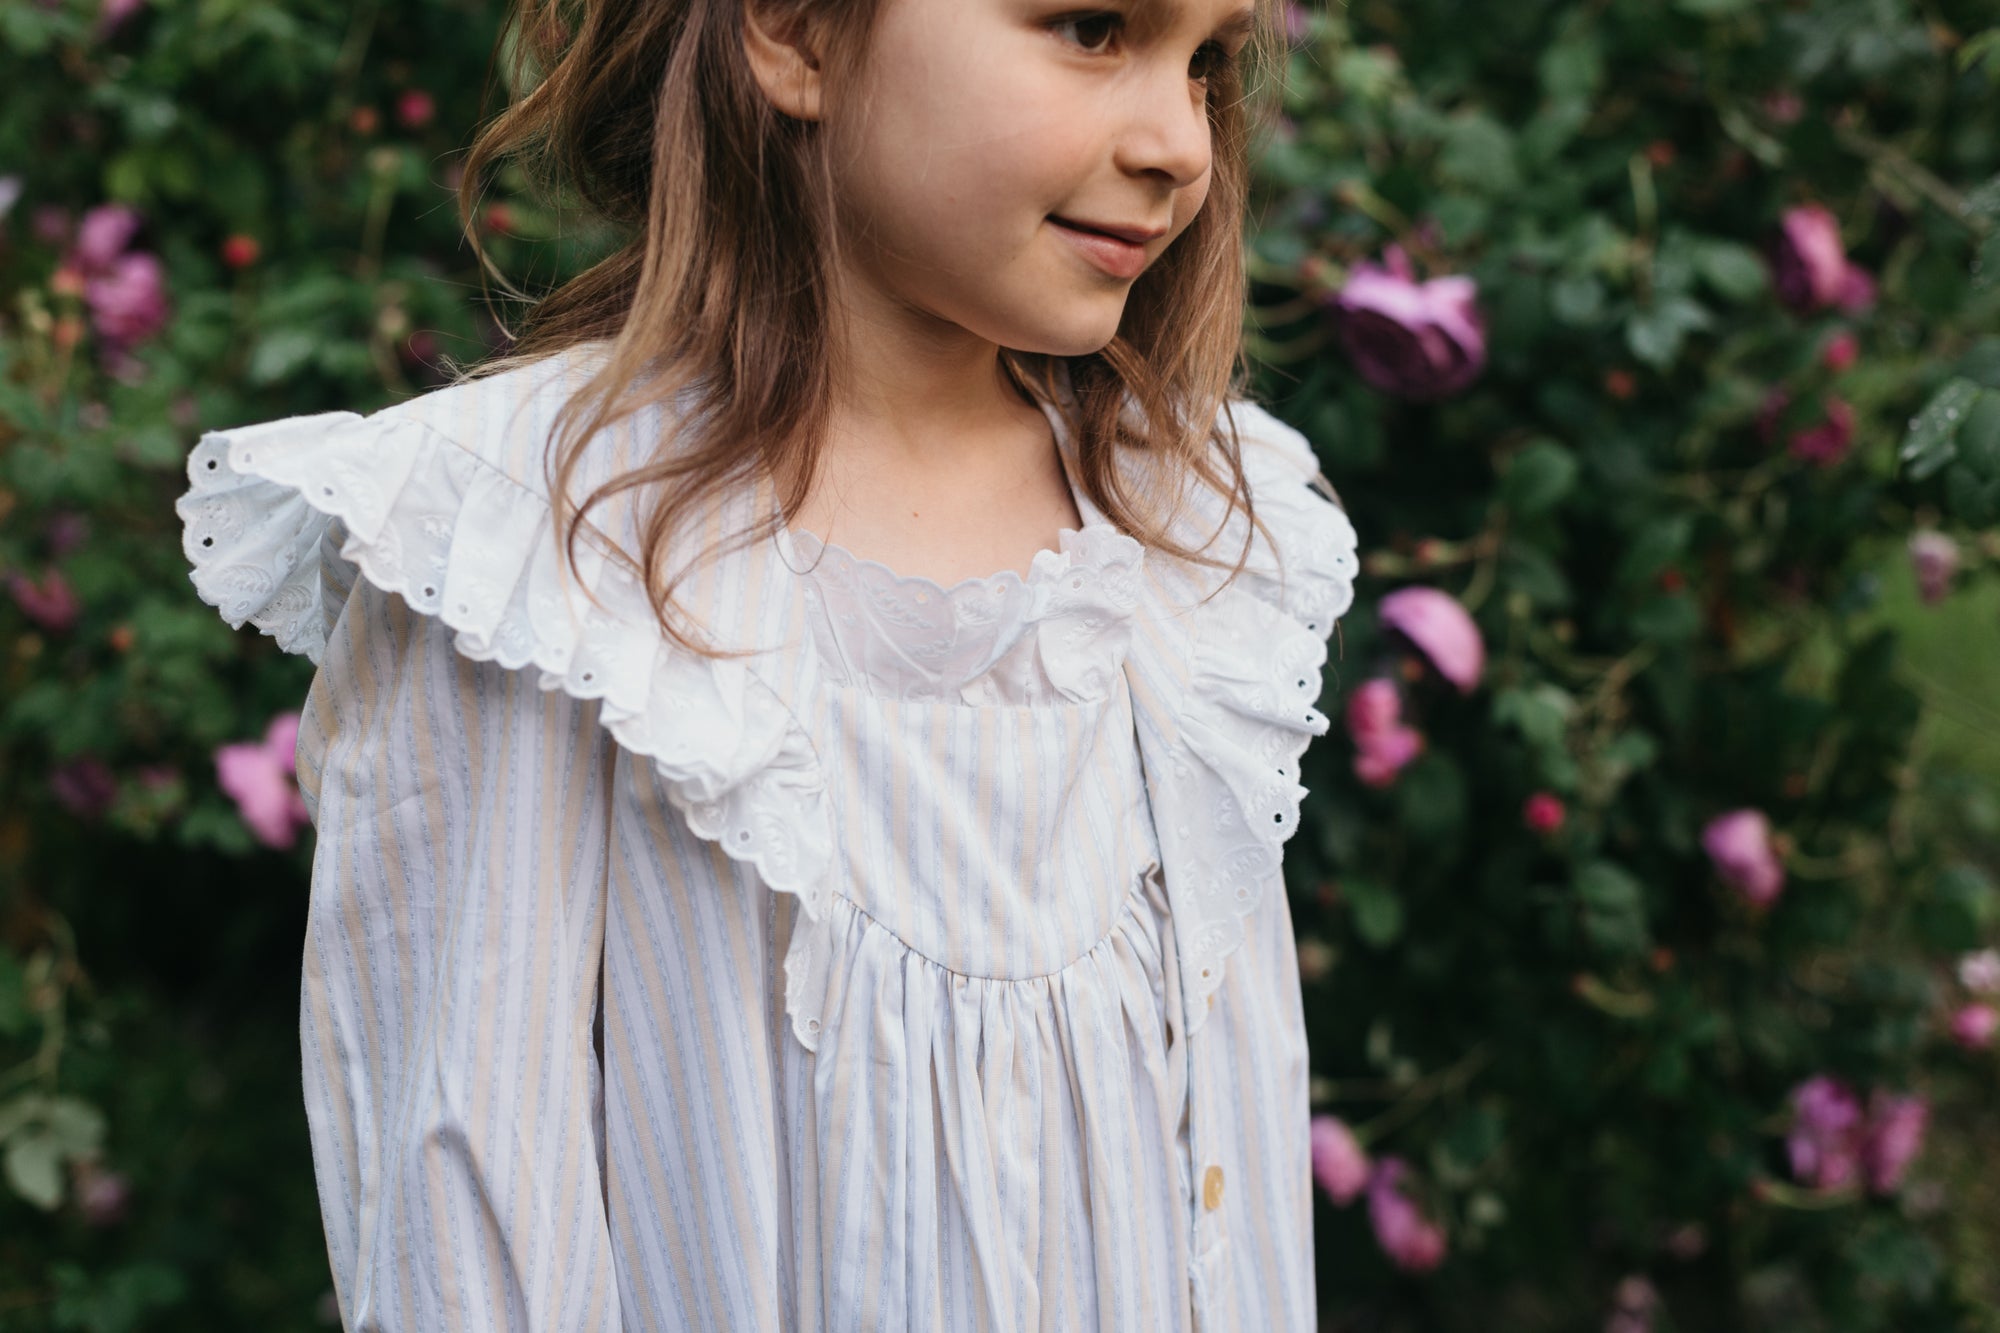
[(1301, 555), (441, 499)]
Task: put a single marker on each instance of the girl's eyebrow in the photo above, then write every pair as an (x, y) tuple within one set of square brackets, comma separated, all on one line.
[(1241, 23)]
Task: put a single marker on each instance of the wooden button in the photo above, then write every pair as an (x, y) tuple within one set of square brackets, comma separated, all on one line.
[(1211, 1188)]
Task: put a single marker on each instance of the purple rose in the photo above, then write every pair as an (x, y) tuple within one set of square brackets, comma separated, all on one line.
[(1893, 1138), (1383, 746), (1416, 340), (1634, 1305), (1934, 557), (1412, 1242), (128, 302), (1980, 972), (257, 775), (1339, 1162), (1739, 843), (1827, 443), (1825, 1139), (114, 13), (47, 601), (1972, 1026), (84, 786), (1441, 629), (103, 235), (1811, 270)]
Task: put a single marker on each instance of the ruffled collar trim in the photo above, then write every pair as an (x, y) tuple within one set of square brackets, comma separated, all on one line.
[(1224, 681)]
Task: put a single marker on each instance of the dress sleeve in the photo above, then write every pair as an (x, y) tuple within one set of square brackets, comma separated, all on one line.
[(452, 962)]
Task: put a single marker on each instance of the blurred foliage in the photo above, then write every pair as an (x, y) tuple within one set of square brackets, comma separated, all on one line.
[(1581, 1039)]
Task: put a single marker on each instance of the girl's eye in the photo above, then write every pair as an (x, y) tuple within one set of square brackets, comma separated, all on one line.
[(1211, 60), (1087, 26)]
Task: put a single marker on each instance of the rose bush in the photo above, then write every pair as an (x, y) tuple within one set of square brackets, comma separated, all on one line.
[(1646, 920)]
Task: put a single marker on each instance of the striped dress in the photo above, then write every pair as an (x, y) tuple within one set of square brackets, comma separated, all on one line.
[(926, 966)]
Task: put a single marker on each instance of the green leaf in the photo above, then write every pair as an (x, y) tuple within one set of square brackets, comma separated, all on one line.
[(1713, 8), (1539, 478), (1979, 437), (1479, 155), (1979, 48), (1932, 441), (281, 353), (1378, 912), (76, 1125), (1656, 334), (1986, 265), (1735, 272), (1541, 714), (34, 1168), (1614, 914)]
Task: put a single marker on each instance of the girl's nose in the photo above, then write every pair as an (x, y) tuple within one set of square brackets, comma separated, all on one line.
[(1168, 131)]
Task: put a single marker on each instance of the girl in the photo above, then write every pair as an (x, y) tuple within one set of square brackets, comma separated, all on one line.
[(802, 747)]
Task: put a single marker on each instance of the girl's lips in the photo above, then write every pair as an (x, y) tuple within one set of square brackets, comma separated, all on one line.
[(1121, 259)]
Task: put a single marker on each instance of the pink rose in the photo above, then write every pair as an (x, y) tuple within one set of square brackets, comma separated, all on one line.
[(1417, 340), (1383, 746), (257, 775), (47, 601), (128, 302), (1893, 1138), (1934, 557), (415, 108), (1413, 1243), (1972, 1026), (102, 1196), (1811, 261), (1739, 843), (114, 13), (1842, 350), (102, 236), (1634, 1304), (1825, 1140), (1339, 1162), (1980, 972), (1441, 630), (1828, 442), (1544, 812), (84, 786)]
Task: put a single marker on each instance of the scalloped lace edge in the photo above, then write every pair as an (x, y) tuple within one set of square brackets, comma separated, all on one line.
[(710, 820)]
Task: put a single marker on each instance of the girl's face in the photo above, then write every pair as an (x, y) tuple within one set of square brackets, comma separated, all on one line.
[(988, 121)]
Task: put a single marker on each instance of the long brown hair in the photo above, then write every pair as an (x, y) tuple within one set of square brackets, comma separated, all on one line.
[(647, 115)]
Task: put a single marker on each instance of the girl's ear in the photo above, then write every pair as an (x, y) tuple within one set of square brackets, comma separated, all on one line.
[(784, 56)]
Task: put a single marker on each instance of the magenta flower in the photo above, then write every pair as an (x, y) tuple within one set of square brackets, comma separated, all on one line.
[(257, 775), (1544, 812), (114, 13), (1634, 1304), (1739, 843), (1934, 557), (415, 108), (1893, 1138), (1412, 1242), (1339, 1162), (1811, 261), (84, 786), (1842, 350), (1980, 972), (1441, 630), (102, 1196), (1825, 1140), (128, 301), (47, 601), (1828, 442), (1416, 340), (1973, 1025), (1383, 746), (103, 235)]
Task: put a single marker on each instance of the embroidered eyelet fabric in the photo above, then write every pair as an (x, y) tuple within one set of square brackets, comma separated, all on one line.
[(926, 970)]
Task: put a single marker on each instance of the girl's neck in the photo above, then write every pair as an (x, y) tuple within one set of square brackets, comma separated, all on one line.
[(940, 476)]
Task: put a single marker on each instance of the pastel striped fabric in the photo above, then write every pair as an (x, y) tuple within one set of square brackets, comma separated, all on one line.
[(560, 1070)]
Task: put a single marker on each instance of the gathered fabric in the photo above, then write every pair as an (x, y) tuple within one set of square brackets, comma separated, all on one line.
[(926, 967)]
